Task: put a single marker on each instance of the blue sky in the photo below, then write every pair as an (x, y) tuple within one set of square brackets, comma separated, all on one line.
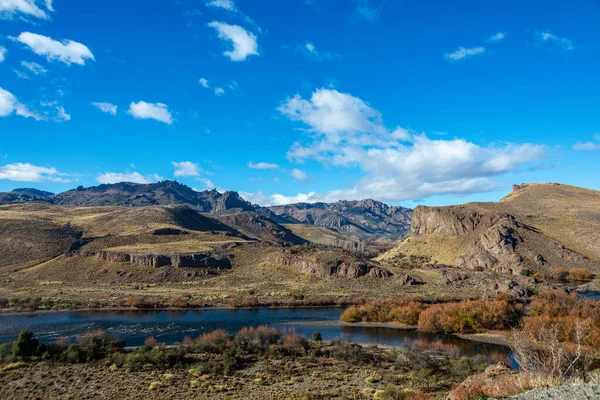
[(428, 102)]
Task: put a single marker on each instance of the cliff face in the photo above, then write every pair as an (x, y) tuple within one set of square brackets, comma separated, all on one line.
[(529, 229), (328, 264)]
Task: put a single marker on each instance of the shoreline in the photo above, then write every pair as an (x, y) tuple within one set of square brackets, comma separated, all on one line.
[(8, 312)]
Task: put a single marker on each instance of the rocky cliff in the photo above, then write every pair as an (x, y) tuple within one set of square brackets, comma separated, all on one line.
[(529, 229), (326, 264)]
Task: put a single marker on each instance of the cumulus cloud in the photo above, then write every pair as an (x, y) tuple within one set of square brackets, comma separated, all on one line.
[(2, 54), (462, 53), (108, 108), (226, 4), (47, 111), (204, 82), (332, 113), (587, 146), (186, 168), (34, 68), (562, 42), (244, 43), (156, 111), (496, 37), (262, 165), (66, 51), (134, 177), (219, 91), (25, 172), (279, 199), (398, 164), (25, 8), (298, 174)]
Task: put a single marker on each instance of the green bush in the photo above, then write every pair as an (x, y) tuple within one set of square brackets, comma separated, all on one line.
[(316, 336), (27, 346)]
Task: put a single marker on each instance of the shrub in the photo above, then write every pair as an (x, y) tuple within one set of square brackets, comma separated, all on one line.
[(27, 345), (178, 302), (559, 274), (316, 336), (250, 301), (404, 311), (294, 344), (470, 315), (580, 274), (526, 272), (257, 339), (15, 365), (155, 385), (231, 360), (155, 357), (213, 342), (150, 342)]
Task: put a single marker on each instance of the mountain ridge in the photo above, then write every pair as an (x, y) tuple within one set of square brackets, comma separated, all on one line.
[(360, 218)]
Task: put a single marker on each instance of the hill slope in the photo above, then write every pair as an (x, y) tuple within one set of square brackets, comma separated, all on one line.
[(363, 218), (537, 226)]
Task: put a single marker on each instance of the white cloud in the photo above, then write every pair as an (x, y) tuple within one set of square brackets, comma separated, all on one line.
[(562, 42), (186, 168), (108, 108), (219, 91), (310, 50), (67, 51), (365, 11), (8, 103), (48, 111), (2, 54), (244, 42), (34, 68), (398, 164), (497, 37), (25, 172), (587, 146), (204, 82), (157, 111), (134, 177), (10, 8), (462, 53), (331, 112), (262, 165), (279, 199), (226, 4), (298, 174)]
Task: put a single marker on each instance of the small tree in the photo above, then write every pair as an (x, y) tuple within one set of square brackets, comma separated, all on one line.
[(26, 345), (316, 336)]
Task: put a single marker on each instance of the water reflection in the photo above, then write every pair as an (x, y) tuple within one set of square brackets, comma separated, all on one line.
[(169, 327)]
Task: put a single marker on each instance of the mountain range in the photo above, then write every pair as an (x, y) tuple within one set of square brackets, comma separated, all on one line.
[(365, 218)]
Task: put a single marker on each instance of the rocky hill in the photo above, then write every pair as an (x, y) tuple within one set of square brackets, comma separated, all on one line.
[(360, 218), (537, 227), (363, 218)]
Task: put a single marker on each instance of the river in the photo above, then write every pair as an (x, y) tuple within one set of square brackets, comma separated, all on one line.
[(172, 326)]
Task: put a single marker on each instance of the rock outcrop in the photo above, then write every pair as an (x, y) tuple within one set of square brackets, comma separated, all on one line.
[(325, 265), (200, 260), (534, 228)]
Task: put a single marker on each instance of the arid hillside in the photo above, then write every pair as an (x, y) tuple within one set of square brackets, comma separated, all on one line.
[(538, 227)]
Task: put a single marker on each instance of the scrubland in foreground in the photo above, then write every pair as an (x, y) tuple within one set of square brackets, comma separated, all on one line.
[(255, 363)]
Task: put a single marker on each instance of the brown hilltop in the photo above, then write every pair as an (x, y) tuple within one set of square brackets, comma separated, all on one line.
[(537, 226)]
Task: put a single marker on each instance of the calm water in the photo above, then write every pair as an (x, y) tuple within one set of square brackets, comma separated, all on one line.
[(590, 296), (172, 326)]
